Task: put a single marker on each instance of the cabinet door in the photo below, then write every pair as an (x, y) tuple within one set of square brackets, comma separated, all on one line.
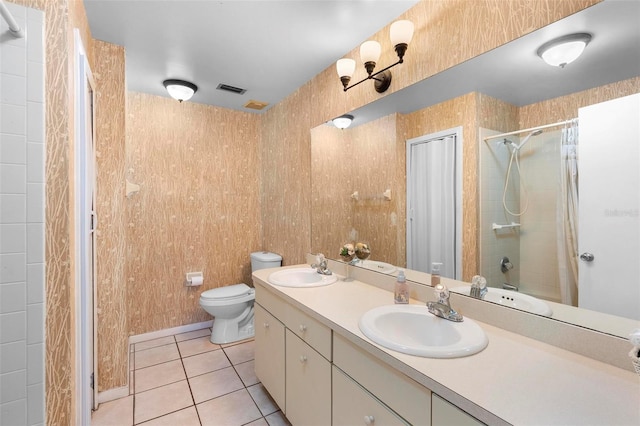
[(352, 405), (269, 354), (443, 413), (308, 384)]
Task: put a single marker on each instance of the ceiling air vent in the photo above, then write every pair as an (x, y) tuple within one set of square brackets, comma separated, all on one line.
[(231, 89), (255, 104)]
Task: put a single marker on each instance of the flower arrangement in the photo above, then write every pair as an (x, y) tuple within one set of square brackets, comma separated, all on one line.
[(347, 252), (362, 251)]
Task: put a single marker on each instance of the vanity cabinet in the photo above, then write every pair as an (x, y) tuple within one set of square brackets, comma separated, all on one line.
[(447, 414), (269, 353), (293, 360)]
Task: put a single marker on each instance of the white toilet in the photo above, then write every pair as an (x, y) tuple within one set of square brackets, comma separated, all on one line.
[(232, 306)]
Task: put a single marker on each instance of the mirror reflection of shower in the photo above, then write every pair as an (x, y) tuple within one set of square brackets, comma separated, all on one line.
[(519, 194), (515, 153)]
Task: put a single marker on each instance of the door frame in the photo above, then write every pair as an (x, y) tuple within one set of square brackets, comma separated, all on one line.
[(457, 133), (84, 190)]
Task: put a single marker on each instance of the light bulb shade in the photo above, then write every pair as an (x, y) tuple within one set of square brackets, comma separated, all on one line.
[(370, 51), (345, 67), (564, 50), (401, 32), (343, 121), (179, 89)]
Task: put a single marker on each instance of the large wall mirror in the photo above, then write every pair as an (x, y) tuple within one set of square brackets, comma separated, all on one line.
[(359, 174)]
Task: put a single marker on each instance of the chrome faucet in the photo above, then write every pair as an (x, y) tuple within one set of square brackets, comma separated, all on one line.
[(478, 287), (442, 308), (321, 265)]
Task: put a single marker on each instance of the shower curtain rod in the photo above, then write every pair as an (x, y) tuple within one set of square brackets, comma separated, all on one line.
[(14, 28), (531, 129)]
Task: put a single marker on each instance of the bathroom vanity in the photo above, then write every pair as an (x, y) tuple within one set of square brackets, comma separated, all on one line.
[(320, 369)]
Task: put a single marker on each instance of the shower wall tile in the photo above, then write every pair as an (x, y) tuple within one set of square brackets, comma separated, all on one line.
[(21, 242), (13, 149)]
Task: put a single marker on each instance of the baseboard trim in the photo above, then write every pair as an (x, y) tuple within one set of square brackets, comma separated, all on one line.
[(169, 332), (111, 394)]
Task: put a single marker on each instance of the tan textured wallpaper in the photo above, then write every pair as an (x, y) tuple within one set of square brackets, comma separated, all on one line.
[(112, 323), (285, 179), (566, 107), (198, 208)]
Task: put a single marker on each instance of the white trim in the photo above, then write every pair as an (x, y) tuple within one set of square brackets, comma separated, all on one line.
[(169, 332), (85, 312)]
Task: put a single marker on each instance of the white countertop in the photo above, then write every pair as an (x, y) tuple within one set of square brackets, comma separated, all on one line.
[(516, 379)]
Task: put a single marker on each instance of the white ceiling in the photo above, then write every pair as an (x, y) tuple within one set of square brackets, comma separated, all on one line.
[(270, 48)]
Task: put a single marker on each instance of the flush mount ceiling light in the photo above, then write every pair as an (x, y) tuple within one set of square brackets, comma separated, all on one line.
[(179, 89), (564, 50), (343, 121), (401, 33)]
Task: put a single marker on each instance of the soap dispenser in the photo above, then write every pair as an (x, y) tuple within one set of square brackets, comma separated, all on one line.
[(435, 273), (401, 294)]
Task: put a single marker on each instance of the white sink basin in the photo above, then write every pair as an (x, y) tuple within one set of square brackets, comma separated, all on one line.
[(512, 299), (412, 330), (300, 277), (374, 265)]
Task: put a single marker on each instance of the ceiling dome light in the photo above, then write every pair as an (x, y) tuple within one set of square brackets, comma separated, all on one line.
[(179, 89), (343, 121), (564, 50)]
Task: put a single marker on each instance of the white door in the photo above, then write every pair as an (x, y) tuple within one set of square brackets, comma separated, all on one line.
[(434, 202), (609, 207)]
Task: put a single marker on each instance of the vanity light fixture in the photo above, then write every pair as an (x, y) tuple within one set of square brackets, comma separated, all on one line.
[(564, 50), (343, 121), (401, 33), (179, 89)]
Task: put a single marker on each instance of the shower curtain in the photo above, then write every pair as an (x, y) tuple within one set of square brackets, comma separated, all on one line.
[(567, 215), (432, 201)]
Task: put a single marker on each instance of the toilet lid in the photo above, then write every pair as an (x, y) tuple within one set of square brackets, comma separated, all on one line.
[(228, 292)]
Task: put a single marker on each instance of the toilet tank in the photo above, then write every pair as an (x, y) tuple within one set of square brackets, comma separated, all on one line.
[(265, 259)]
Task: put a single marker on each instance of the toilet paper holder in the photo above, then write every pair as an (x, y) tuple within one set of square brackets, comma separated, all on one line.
[(194, 279)]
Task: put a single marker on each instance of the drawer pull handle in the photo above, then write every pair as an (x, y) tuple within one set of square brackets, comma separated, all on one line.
[(302, 328), (369, 420), (266, 325), (303, 359)]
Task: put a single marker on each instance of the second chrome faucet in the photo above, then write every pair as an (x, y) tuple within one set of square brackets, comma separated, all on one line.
[(442, 308)]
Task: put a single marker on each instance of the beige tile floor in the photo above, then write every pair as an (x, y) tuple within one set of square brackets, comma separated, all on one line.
[(185, 380)]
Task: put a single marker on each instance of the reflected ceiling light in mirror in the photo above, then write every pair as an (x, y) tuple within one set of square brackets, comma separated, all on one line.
[(179, 89), (401, 33), (564, 50), (343, 121)]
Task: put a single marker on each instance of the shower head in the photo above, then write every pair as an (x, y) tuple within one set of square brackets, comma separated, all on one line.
[(526, 139)]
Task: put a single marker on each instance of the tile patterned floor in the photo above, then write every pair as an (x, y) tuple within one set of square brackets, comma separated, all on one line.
[(187, 380)]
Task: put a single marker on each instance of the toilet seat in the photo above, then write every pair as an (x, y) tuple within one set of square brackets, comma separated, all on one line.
[(236, 293)]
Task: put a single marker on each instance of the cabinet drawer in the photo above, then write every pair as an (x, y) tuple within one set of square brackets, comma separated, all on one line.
[(353, 405), (308, 384), (408, 398), (275, 305), (310, 330)]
